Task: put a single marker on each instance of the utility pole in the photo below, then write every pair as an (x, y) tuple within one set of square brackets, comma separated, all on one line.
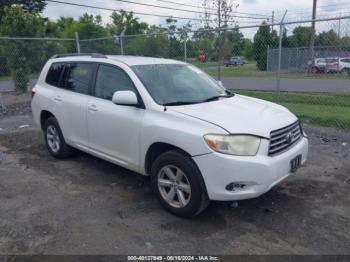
[(280, 58), (219, 51), (339, 25), (313, 32), (273, 19)]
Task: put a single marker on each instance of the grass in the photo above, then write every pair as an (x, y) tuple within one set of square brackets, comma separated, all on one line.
[(5, 78), (250, 70), (331, 110)]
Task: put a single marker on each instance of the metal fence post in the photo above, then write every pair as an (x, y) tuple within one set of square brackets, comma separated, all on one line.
[(121, 45), (2, 105), (267, 58), (297, 60), (280, 59), (185, 48), (77, 44)]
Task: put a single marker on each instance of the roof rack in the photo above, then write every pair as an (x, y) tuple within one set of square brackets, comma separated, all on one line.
[(93, 55)]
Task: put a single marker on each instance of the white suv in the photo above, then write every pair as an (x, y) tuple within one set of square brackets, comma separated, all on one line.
[(169, 120), (344, 65)]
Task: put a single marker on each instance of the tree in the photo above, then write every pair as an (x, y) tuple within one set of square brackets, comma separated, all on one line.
[(301, 37), (174, 43), (235, 39), (223, 17), (33, 6), (125, 21), (329, 38), (263, 39), (22, 56), (248, 50)]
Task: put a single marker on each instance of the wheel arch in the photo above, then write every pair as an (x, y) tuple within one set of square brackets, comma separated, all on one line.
[(44, 115), (155, 150)]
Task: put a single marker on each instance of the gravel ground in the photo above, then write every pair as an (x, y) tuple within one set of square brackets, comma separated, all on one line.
[(84, 205)]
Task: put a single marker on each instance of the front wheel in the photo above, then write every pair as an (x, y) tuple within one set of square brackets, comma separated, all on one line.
[(345, 71), (178, 184)]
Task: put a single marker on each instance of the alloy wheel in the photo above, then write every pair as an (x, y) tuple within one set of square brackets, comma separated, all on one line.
[(174, 186), (53, 138)]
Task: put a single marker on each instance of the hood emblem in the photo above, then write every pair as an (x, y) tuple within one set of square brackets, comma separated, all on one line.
[(289, 138)]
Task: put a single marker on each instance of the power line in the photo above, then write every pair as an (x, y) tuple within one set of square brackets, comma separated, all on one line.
[(318, 7), (119, 10), (203, 7), (308, 9), (182, 4), (184, 10)]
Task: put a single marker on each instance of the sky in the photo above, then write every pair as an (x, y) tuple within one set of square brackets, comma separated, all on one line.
[(297, 10)]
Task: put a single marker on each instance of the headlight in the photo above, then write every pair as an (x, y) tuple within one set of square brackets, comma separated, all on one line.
[(240, 145)]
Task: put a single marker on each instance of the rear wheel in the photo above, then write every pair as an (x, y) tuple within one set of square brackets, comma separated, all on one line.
[(54, 140), (178, 184)]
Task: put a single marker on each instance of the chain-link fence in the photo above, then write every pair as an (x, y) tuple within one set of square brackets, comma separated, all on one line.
[(275, 62)]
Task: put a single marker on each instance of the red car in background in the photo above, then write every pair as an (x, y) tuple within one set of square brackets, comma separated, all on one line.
[(202, 57)]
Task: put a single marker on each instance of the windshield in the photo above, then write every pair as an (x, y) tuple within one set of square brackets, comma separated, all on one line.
[(178, 83)]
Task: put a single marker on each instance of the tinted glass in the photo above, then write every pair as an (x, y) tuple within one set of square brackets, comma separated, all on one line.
[(111, 79), (331, 60), (172, 83), (77, 77), (53, 76)]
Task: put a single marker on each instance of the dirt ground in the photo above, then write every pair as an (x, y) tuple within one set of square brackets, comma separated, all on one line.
[(88, 206)]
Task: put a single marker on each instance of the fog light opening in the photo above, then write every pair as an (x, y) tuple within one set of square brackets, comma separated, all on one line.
[(235, 186)]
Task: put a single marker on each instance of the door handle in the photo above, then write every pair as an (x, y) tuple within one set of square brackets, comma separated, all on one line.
[(58, 99), (92, 108)]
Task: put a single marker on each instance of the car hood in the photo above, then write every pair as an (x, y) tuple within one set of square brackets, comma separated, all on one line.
[(240, 115)]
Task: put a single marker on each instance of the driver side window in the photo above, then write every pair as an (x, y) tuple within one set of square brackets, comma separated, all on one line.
[(110, 79)]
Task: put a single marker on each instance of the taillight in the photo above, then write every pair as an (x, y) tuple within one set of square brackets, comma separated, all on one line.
[(32, 92)]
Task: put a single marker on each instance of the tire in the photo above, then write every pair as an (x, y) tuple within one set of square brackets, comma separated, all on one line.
[(345, 71), (54, 140), (196, 196)]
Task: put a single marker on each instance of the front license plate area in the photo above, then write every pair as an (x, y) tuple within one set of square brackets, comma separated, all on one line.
[(295, 163)]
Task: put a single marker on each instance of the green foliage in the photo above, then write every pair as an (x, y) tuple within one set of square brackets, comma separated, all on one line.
[(236, 40), (33, 6), (327, 39), (125, 21), (301, 37), (22, 57), (263, 40), (20, 78), (248, 49)]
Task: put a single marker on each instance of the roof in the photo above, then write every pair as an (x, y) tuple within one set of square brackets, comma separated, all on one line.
[(142, 60), (128, 60)]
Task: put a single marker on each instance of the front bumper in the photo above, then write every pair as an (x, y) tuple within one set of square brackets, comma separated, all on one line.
[(258, 173)]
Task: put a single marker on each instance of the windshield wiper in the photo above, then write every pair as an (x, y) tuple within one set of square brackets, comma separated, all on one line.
[(179, 103), (214, 98)]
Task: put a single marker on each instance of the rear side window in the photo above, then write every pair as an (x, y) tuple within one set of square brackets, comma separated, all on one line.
[(77, 77), (54, 74)]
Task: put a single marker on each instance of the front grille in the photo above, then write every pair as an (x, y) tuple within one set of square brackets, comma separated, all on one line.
[(283, 138)]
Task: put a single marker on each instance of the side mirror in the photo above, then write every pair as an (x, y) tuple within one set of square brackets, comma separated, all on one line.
[(125, 98)]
